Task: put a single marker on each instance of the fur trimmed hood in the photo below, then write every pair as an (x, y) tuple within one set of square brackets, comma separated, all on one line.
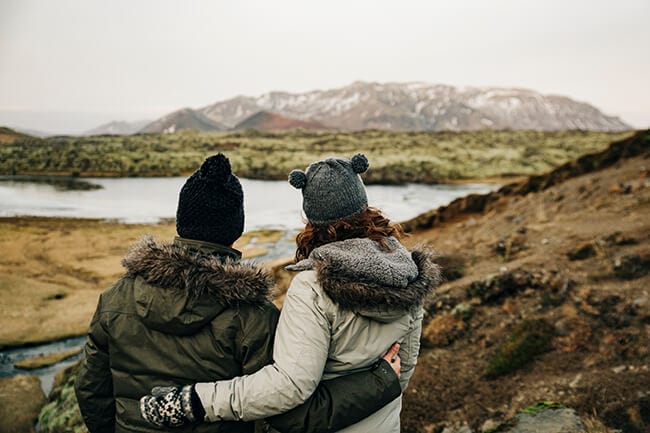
[(359, 275), (196, 273)]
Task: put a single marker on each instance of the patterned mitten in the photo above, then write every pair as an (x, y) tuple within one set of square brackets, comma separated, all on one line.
[(171, 406)]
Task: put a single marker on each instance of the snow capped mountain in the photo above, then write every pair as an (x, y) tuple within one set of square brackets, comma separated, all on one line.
[(419, 106)]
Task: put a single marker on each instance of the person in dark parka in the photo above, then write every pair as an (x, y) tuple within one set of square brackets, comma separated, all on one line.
[(190, 312)]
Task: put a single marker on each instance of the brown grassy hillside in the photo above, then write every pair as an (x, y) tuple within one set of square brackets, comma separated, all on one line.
[(547, 299)]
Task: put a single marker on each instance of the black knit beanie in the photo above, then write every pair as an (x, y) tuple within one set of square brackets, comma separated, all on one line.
[(211, 204)]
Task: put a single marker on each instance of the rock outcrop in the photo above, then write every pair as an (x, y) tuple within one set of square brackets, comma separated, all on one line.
[(21, 399)]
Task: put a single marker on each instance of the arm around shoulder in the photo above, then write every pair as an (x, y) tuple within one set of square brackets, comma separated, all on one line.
[(341, 402), (300, 350)]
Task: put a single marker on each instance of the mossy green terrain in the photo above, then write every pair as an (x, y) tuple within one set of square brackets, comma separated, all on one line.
[(61, 414), (396, 157)]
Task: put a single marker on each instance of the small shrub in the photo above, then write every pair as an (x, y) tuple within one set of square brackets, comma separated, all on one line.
[(452, 265), (583, 252), (527, 340), (631, 266)]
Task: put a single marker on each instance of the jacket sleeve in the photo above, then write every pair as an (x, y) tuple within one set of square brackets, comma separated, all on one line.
[(341, 402), (300, 350), (94, 384), (256, 348), (410, 349)]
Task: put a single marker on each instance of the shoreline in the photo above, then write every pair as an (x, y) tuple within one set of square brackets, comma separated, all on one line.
[(114, 175), (32, 344)]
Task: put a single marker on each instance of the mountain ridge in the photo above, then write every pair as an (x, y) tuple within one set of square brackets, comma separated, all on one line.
[(420, 106), (393, 106)]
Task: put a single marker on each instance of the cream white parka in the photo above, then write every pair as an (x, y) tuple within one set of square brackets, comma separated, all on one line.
[(350, 302)]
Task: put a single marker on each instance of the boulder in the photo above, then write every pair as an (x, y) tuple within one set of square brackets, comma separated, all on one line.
[(21, 399), (561, 420)]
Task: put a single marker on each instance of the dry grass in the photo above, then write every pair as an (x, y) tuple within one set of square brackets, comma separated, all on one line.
[(52, 271), (594, 425), (46, 360)]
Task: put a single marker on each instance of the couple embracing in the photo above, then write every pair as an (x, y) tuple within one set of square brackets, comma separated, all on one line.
[(188, 339)]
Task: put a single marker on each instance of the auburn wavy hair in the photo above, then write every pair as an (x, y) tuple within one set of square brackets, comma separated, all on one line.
[(369, 224)]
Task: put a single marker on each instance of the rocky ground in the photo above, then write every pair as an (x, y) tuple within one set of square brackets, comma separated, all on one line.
[(547, 299)]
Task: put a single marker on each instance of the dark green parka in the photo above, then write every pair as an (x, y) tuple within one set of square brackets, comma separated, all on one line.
[(189, 312)]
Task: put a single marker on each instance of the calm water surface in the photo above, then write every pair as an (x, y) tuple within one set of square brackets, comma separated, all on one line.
[(268, 204)]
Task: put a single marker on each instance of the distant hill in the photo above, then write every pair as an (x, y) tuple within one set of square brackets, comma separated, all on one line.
[(420, 106), (33, 132), (185, 118), (8, 135), (118, 128), (266, 121)]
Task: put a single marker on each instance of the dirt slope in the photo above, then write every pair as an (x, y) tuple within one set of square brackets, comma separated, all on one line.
[(556, 269)]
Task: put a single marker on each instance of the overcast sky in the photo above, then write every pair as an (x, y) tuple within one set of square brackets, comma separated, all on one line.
[(70, 65)]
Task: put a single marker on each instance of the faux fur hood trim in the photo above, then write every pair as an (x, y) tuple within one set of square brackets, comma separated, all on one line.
[(173, 266), (362, 296)]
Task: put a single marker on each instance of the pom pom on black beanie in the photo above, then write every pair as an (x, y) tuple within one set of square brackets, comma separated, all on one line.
[(211, 204)]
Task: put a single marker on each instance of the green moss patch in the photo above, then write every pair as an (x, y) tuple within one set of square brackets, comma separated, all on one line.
[(541, 407), (527, 340), (61, 414)]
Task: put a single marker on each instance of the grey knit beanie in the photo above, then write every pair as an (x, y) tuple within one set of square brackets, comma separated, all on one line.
[(332, 189)]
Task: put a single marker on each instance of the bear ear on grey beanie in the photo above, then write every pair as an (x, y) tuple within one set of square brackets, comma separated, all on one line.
[(211, 204), (359, 163), (298, 179), (332, 189)]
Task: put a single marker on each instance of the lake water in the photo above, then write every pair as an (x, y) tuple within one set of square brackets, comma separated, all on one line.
[(268, 204), (9, 357)]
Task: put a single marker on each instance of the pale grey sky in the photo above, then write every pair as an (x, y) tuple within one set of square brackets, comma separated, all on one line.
[(69, 65)]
